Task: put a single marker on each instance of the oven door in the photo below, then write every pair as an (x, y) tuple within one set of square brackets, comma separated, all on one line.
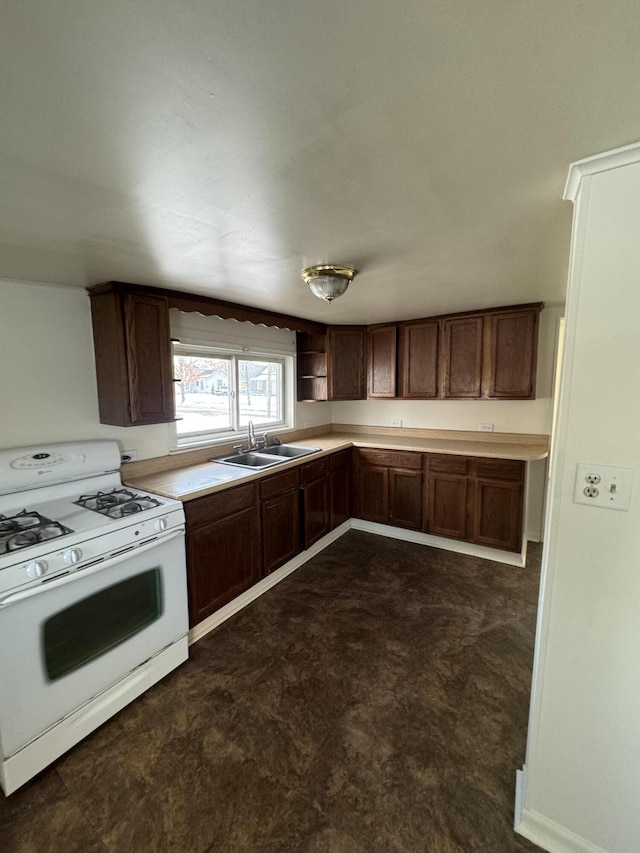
[(64, 642)]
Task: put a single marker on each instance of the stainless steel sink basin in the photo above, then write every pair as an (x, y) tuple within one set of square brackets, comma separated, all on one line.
[(289, 451), (250, 460), (267, 456)]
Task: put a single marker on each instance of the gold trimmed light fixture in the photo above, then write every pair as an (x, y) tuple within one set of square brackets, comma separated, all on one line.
[(328, 281)]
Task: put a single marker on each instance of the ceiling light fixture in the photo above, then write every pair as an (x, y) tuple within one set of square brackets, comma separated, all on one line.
[(328, 281)]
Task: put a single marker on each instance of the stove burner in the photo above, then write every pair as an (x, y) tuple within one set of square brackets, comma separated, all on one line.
[(27, 528), (118, 503)]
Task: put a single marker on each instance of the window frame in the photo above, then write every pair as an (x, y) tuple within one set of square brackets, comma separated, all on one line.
[(235, 355)]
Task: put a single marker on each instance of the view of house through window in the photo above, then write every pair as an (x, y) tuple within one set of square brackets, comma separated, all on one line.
[(222, 393)]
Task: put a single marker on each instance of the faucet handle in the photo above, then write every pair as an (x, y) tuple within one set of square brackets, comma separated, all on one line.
[(238, 448)]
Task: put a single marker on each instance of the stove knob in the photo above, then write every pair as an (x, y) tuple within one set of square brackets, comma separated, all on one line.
[(160, 524), (37, 569), (72, 556)]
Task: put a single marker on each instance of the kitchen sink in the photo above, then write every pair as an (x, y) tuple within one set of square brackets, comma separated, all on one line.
[(289, 451), (267, 456), (250, 460)]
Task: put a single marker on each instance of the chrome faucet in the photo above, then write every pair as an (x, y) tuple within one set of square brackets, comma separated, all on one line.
[(251, 436)]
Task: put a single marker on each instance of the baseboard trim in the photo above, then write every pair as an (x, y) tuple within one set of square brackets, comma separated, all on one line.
[(509, 558), (552, 836), (207, 625)]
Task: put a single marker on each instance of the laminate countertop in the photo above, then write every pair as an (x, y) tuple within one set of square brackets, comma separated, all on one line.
[(196, 480)]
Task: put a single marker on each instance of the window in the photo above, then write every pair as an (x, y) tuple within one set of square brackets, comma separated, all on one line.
[(218, 393)]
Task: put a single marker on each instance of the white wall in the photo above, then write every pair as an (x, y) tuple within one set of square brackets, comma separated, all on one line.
[(583, 758), (524, 416)]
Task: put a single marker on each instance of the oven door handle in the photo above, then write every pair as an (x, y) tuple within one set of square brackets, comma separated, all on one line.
[(92, 569)]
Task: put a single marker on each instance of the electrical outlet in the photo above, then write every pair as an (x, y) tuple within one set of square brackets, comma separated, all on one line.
[(128, 456), (485, 427), (603, 486), (396, 423)]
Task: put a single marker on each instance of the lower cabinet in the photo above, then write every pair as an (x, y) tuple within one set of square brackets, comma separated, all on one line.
[(476, 499), (314, 495), (389, 487), (223, 548), (280, 509), (339, 488)]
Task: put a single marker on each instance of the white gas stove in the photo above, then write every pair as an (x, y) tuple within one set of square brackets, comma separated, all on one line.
[(93, 598)]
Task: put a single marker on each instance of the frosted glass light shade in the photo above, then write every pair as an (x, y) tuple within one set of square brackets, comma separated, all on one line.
[(328, 287), (328, 281)]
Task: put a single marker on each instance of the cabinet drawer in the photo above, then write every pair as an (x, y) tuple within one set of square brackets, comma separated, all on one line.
[(277, 484), (313, 470), (392, 458), (340, 460), (214, 507), (448, 463), (500, 469)]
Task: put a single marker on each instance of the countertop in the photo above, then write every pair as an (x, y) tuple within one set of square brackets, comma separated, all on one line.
[(203, 478)]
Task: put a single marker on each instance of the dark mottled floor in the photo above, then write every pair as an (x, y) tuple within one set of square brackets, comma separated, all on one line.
[(375, 700)]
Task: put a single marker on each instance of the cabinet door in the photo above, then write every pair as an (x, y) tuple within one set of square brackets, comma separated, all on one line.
[(448, 500), (133, 356), (418, 359), (223, 560), (510, 354), (373, 493), (280, 530), (315, 510), (497, 516), (381, 361), (462, 357), (340, 488), (405, 498), (346, 363)]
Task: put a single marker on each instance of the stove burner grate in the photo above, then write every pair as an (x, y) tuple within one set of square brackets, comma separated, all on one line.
[(117, 503), (28, 528)]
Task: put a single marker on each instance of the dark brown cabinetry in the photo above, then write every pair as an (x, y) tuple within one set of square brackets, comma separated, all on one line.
[(312, 367), (381, 361), (461, 357), (498, 502), (476, 499), (223, 548), (345, 362), (340, 488), (418, 347), (448, 491), (389, 487), (314, 490), (280, 509), (331, 366), (511, 342), (133, 356)]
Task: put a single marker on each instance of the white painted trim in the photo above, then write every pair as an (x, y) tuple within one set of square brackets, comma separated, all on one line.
[(615, 159), (551, 836), (207, 625), (508, 557), (521, 795)]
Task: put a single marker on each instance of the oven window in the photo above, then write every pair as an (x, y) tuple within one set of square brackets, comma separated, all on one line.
[(81, 633)]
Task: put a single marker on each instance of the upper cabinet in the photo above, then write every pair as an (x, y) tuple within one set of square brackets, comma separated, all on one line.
[(510, 353), (345, 362), (461, 357), (480, 355), (381, 361), (133, 356), (418, 349)]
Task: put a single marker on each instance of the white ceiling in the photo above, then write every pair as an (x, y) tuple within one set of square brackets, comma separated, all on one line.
[(222, 146)]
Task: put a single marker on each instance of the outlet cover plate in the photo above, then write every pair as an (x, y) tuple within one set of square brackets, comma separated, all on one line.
[(611, 491)]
